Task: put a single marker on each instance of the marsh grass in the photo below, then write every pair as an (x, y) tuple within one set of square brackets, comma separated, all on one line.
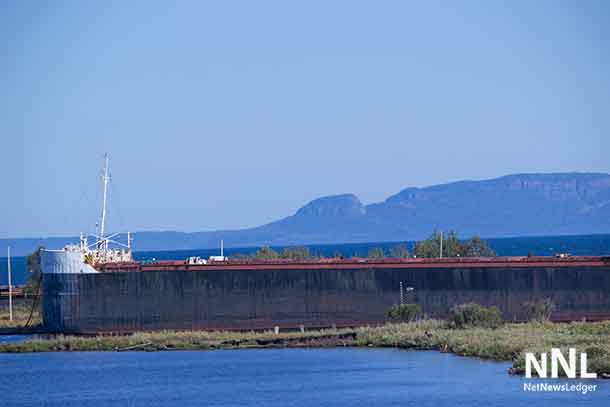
[(509, 342), (183, 340), (21, 312), (506, 343)]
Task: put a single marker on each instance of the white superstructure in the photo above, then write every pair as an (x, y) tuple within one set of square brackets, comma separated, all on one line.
[(83, 257)]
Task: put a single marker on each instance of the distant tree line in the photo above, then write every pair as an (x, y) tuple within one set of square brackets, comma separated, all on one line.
[(427, 248), (452, 246), (267, 253), (431, 248)]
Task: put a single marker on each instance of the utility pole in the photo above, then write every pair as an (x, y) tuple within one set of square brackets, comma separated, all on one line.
[(10, 287), (401, 296), (441, 251)]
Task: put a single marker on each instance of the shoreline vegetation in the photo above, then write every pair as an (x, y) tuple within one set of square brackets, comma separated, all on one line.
[(436, 245), (472, 331), (507, 343), (22, 322)]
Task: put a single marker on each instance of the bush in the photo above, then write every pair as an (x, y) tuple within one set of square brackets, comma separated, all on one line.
[(266, 253), (475, 315), (296, 253), (452, 246), (477, 247), (539, 310), (376, 253), (399, 252), (32, 286), (404, 312), (599, 360)]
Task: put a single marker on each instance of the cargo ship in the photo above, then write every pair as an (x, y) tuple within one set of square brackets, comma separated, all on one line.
[(96, 288)]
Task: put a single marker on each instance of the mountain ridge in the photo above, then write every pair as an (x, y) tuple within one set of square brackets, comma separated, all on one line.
[(525, 204)]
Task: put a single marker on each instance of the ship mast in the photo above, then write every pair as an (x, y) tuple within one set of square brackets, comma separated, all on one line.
[(102, 244)]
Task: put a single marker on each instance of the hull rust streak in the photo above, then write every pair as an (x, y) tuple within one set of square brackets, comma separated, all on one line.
[(127, 297)]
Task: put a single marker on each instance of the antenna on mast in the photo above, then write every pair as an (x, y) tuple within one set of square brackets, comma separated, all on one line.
[(102, 243), (102, 253)]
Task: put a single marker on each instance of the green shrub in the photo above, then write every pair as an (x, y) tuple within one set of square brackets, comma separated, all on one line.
[(376, 253), (296, 253), (539, 310), (452, 246), (599, 360), (475, 315), (399, 252), (266, 253), (404, 312)]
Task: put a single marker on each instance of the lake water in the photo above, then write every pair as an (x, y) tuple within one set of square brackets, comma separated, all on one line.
[(14, 338), (271, 377)]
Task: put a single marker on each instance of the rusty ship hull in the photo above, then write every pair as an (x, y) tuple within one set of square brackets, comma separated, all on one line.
[(243, 295)]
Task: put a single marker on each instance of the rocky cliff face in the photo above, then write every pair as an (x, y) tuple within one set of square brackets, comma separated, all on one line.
[(337, 206), (514, 205), (522, 204)]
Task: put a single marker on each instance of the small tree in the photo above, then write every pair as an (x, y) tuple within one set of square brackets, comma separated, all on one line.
[(376, 253), (477, 247), (404, 312), (296, 253), (431, 247), (539, 310), (399, 252), (452, 246), (266, 253), (475, 315), (35, 270), (428, 248)]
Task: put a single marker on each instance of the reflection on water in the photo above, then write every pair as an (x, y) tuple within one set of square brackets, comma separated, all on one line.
[(271, 377)]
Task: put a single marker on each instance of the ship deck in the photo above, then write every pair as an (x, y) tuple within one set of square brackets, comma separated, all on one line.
[(362, 263)]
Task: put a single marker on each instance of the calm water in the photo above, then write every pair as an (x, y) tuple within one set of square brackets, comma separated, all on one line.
[(269, 377), (14, 338), (514, 246)]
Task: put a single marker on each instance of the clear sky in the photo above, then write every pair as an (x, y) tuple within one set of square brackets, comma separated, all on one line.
[(232, 114)]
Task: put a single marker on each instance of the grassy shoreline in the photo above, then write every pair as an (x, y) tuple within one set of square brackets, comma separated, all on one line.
[(22, 308), (506, 343), (509, 342)]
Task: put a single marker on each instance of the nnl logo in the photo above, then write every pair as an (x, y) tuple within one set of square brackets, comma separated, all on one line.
[(557, 358)]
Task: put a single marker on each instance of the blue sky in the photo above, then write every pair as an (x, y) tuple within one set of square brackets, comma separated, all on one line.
[(233, 114)]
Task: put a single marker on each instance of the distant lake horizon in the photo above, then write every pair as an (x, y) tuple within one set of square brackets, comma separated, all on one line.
[(577, 245)]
